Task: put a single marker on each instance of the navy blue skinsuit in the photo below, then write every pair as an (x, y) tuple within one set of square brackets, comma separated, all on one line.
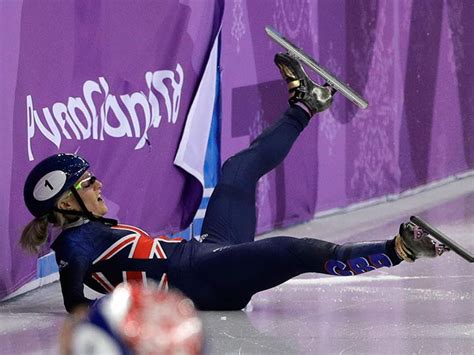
[(228, 266)]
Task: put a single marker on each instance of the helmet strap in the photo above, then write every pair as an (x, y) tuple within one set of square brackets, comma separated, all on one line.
[(85, 212)]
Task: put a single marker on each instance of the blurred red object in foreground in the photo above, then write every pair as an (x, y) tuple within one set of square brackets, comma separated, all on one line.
[(135, 319)]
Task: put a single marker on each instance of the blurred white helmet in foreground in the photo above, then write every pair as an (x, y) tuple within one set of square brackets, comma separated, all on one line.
[(134, 319)]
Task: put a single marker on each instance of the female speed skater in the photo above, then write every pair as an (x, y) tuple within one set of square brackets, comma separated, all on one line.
[(226, 266)]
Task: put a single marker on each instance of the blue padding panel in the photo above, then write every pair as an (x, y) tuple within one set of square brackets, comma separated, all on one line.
[(46, 265)]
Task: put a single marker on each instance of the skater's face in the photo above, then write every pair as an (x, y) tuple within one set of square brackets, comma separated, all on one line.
[(89, 189)]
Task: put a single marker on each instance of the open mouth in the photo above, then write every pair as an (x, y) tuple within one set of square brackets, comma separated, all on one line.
[(100, 198)]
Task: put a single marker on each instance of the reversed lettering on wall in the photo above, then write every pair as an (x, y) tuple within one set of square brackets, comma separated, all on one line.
[(99, 114)]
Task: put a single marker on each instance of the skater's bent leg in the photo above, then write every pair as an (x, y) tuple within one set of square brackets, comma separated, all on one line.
[(266, 151), (252, 267), (230, 216)]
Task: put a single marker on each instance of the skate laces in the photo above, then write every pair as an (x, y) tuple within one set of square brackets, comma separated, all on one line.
[(419, 233), (302, 88), (413, 242)]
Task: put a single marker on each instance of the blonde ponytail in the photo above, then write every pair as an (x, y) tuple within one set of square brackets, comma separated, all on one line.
[(34, 235)]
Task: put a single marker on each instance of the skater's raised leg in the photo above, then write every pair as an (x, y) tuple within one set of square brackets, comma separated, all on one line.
[(231, 216)]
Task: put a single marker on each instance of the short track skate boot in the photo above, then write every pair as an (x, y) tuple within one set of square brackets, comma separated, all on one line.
[(413, 243), (302, 89)]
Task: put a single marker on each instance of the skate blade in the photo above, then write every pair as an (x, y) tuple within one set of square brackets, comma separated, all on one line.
[(330, 78), (447, 243)]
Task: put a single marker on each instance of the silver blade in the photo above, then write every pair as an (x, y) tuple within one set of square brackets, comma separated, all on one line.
[(330, 78)]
